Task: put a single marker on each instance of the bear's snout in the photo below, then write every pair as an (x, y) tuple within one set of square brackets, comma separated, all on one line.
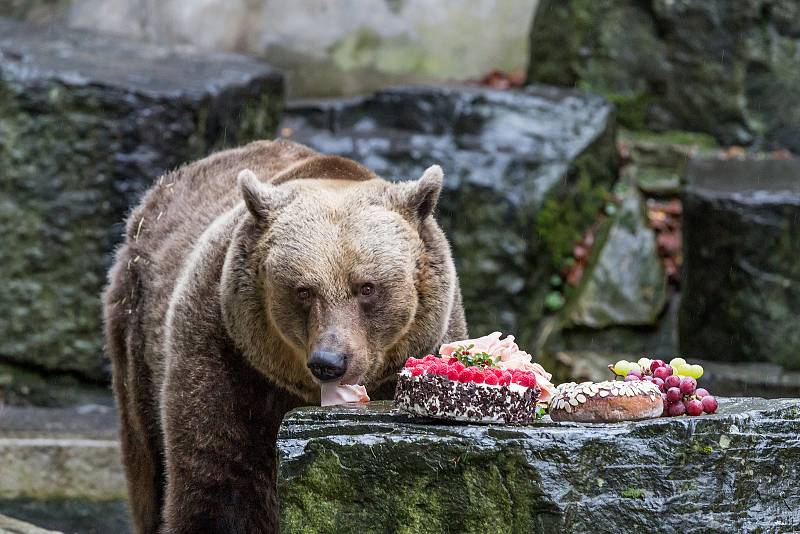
[(327, 365)]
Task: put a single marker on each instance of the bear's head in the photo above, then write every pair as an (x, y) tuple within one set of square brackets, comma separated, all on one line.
[(337, 276)]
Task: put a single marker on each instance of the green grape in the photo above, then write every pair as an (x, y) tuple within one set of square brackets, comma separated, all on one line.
[(621, 368), (677, 362), (680, 370), (694, 371), (644, 363), (624, 367)]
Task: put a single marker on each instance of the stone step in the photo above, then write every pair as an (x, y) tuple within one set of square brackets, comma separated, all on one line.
[(371, 469), (9, 525), (61, 468)]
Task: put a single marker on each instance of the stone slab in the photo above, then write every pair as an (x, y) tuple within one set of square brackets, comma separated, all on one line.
[(60, 454), (9, 525), (370, 469)]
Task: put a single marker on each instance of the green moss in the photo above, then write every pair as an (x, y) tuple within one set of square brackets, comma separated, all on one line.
[(554, 301), (671, 137), (633, 493), (632, 108), (563, 220), (495, 491)]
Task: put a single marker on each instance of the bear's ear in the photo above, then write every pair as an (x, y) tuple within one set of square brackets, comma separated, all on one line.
[(262, 200), (418, 199)]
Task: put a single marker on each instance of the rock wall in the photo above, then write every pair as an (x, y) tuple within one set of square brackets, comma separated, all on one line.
[(324, 47), (742, 279), (86, 124), (728, 68)]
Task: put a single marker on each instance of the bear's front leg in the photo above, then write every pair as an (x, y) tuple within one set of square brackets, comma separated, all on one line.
[(221, 420)]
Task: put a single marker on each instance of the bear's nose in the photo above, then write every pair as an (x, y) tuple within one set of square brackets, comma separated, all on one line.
[(327, 365)]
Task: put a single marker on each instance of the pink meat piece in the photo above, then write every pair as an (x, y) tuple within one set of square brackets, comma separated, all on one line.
[(333, 394)]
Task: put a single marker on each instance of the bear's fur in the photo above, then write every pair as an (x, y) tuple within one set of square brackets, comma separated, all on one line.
[(221, 291)]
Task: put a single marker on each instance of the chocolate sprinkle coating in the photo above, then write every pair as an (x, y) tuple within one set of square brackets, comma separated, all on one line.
[(437, 396)]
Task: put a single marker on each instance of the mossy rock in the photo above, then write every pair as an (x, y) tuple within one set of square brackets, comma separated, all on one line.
[(625, 283), (86, 124), (371, 469), (731, 69)]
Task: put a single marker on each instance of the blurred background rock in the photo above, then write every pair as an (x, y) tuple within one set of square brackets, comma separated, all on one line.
[(324, 48), (620, 179)]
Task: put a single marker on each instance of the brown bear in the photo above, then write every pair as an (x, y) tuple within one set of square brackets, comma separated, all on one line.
[(246, 280)]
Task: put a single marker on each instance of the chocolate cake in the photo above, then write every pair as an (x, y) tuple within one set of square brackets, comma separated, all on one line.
[(435, 395)]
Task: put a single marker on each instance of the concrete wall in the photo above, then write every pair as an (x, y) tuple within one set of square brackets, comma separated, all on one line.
[(326, 47)]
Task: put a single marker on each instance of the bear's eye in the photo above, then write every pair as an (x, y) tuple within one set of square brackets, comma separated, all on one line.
[(303, 294), (367, 290)]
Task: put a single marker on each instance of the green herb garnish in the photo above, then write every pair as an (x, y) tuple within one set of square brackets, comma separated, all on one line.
[(476, 359)]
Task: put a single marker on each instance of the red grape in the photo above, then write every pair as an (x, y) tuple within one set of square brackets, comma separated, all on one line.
[(688, 385), (647, 378), (631, 378), (677, 409), (694, 407), (635, 372), (662, 372), (674, 395), (701, 392), (709, 404), (658, 382), (655, 364), (666, 404), (672, 381)]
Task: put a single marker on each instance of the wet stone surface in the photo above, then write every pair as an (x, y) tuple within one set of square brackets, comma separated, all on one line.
[(741, 288), (525, 174), (87, 123), (371, 469)]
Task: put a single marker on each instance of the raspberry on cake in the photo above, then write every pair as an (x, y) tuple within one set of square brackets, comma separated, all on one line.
[(481, 380)]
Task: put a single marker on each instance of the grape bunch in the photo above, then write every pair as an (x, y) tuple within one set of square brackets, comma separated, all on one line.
[(677, 381)]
